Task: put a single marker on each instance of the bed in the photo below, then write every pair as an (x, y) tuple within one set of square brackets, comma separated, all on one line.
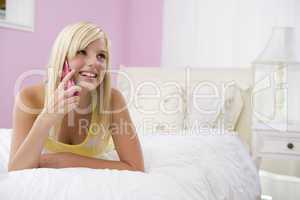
[(180, 162)]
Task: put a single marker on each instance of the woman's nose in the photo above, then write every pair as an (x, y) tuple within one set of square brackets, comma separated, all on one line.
[(91, 61)]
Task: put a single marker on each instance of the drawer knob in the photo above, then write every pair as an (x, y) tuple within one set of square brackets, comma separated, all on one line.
[(290, 145)]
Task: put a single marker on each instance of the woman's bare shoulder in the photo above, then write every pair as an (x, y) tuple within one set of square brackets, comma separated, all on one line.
[(117, 99), (32, 96), (116, 95)]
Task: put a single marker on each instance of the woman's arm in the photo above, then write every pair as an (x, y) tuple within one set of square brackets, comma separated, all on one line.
[(29, 133), (65, 160), (124, 135), (30, 129)]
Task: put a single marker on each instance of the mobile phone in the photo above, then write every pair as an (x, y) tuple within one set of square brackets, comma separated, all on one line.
[(71, 82)]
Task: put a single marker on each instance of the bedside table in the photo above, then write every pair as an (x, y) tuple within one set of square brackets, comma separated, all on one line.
[(272, 142)]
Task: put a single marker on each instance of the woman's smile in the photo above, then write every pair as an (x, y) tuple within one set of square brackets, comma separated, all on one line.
[(88, 74)]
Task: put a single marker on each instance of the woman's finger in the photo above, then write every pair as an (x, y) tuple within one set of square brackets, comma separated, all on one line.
[(68, 77), (71, 100), (69, 94), (66, 104), (70, 91)]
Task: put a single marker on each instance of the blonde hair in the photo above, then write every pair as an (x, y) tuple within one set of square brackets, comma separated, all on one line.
[(72, 38)]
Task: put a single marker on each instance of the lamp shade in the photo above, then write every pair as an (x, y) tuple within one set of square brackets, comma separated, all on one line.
[(280, 47)]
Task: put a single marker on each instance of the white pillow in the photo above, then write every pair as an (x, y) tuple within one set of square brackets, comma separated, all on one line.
[(5, 138), (155, 104), (232, 108), (213, 105), (203, 107)]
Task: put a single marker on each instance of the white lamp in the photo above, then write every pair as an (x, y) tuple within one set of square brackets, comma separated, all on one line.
[(280, 47), (276, 67)]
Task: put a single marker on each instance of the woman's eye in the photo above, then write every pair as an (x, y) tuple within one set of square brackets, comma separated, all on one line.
[(101, 56), (81, 52)]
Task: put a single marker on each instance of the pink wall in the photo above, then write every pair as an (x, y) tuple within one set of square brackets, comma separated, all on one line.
[(134, 27), (144, 32)]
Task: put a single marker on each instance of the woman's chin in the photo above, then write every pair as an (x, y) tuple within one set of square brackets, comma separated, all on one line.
[(87, 85)]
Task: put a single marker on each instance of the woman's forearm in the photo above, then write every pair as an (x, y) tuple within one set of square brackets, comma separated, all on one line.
[(28, 154), (104, 164), (74, 160)]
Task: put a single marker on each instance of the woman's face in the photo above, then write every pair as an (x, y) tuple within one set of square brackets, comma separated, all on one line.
[(90, 64)]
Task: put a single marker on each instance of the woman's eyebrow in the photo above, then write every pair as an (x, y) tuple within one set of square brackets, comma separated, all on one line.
[(102, 51)]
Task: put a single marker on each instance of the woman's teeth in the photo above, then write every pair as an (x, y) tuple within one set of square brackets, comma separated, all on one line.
[(88, 74)]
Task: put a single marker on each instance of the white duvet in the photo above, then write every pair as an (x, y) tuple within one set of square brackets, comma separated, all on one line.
[(199, 167)]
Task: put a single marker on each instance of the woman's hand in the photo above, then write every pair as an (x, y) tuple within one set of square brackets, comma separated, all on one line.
[(56, 160), (62, 101)]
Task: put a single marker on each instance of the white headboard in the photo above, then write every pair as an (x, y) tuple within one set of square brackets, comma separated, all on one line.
[(242, 76)]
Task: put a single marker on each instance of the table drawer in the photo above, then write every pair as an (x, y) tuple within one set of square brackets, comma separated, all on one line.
[(280, 146)]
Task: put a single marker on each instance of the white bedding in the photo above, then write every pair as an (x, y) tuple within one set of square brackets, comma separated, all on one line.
[(177, 167)]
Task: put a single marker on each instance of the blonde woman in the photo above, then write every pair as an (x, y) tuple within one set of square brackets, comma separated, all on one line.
[(57, 124)]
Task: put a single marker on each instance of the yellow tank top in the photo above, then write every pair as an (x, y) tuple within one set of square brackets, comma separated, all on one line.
[(94, 145)]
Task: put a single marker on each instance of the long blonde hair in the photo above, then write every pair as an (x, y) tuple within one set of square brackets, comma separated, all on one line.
[(72, 38)]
